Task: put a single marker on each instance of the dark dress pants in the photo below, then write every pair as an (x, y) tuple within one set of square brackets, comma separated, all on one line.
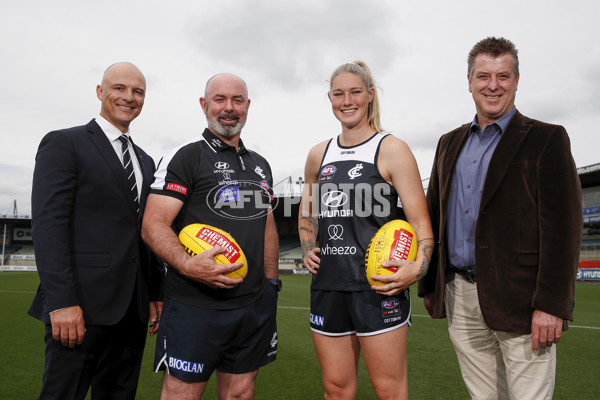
[(108, 361)]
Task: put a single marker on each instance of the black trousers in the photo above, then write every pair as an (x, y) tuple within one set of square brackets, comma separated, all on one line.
[(108, 361)]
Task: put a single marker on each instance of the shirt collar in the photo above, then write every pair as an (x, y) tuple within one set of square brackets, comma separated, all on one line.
[(502, 123), (217, 144), (111, 131)]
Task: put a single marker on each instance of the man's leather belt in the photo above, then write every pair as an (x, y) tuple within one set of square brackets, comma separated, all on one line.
[(467, 273)]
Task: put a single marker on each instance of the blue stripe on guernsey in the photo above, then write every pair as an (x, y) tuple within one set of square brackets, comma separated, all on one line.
[(185, 366)]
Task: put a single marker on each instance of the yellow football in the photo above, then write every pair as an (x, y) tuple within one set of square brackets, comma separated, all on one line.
[(396, 240), (197, 238)]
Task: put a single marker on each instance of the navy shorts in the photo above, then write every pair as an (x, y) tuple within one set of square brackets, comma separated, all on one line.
[(337, 313), (192, 342)]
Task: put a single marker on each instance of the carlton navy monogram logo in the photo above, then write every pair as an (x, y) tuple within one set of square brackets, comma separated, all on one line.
[(355, 172), (259, 171)]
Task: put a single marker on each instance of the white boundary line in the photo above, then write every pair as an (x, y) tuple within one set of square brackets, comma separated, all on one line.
[(307, 309), (16, 291), (427, 316), (584, 327)]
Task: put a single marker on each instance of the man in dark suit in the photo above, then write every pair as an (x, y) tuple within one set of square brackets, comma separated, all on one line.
[(505, 205), (90, 186)]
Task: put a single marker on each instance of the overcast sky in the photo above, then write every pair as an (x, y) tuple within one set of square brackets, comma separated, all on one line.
[(54, 53)]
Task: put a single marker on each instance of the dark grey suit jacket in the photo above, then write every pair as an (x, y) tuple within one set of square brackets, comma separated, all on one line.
[(86, 231), (529, 227)]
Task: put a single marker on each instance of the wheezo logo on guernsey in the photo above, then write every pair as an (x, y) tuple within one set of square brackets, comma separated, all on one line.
[(185, 366), (335, 232)]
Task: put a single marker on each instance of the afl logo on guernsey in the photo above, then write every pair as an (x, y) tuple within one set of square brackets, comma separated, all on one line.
[(327, 173)]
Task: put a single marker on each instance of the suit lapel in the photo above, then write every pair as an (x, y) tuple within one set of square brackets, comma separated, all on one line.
[(456, 141), (107, 151), (505, 152)]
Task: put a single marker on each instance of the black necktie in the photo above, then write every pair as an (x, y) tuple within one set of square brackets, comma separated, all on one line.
[(129, 171)]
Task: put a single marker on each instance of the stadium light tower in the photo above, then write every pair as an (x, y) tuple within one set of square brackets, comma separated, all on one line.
[(300, 183)]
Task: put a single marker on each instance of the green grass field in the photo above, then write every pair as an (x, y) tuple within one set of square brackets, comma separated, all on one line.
[(433, 369)]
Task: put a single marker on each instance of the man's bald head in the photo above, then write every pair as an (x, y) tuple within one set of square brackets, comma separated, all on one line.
[(224, 78), (122, 93), (120, 68)]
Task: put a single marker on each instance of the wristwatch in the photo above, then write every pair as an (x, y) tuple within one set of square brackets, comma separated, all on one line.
[(276, 282)]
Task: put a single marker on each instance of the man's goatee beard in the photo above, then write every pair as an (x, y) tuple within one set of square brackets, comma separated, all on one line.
[(227, 132)]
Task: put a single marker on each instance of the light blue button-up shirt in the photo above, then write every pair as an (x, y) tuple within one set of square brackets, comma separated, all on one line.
[(467, 187)]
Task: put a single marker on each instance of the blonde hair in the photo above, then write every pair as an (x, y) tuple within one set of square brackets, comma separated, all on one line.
[(361, 69)]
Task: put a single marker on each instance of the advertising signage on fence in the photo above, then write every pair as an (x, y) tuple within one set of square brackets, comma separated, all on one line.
[(591, 220), (591, 214), (22, 234), (588, 274), (22, 257), (591, 210)]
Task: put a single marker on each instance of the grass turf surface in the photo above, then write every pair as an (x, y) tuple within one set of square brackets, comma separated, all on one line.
[(433, 370)]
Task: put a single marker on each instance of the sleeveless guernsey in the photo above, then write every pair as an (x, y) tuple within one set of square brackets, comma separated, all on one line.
[(354, 202)]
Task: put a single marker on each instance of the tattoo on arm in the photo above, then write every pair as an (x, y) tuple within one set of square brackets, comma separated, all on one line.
[(307, 246), (312, 223), (305, 229), (427, 247), (309, 225)]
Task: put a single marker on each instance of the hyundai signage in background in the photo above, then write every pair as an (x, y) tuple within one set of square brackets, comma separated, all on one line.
[(588, 274), (589, 271)]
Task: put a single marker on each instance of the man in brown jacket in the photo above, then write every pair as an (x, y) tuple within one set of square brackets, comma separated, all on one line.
[(505, 205)]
